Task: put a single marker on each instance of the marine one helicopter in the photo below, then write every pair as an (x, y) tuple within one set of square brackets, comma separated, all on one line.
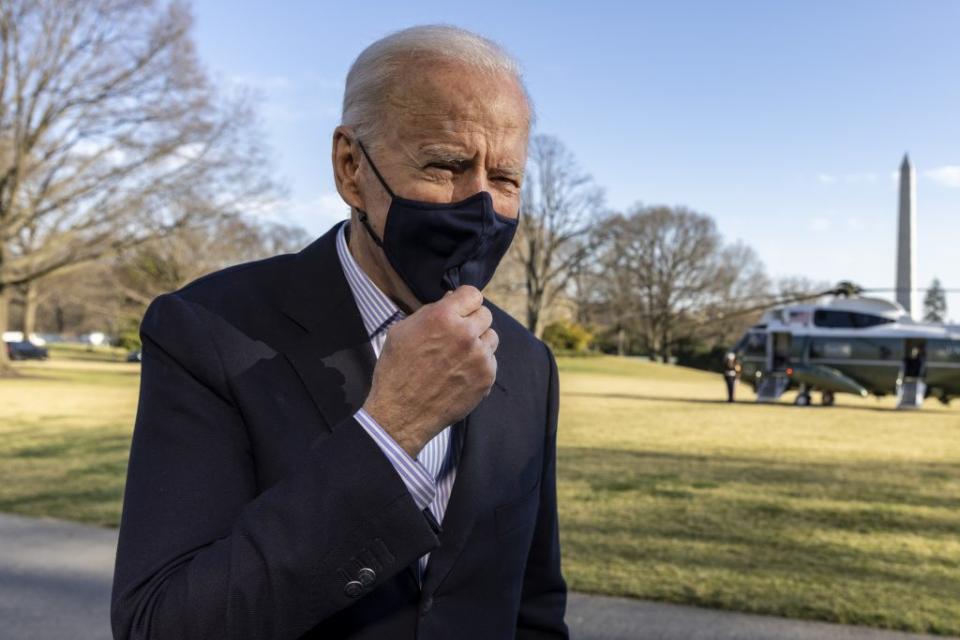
[(844, 342)]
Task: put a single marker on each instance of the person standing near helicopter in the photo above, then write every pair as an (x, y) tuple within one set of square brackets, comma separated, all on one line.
[(731, 371)]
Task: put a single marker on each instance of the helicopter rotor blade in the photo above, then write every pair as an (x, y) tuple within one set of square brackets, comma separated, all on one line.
[(894, 289)]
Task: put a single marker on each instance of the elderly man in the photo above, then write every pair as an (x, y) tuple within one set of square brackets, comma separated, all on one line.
[(350, 441)]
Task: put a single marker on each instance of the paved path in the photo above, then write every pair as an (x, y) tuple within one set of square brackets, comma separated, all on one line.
[(54, 579), (55, 584), (596, 618)]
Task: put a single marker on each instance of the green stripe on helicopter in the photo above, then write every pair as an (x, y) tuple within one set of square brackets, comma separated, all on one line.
[(826, 378)]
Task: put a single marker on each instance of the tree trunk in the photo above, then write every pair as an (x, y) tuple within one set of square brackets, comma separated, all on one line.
[(665, 346), (60, 318), (533, 319), (6, 369), (534, 305), (30, 303)]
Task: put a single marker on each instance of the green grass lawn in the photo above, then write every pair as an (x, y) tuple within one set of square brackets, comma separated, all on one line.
[(849, 514), (65, 431)]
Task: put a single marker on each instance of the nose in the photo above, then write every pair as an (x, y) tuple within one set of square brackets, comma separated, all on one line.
[(477, 179), (471, 182)]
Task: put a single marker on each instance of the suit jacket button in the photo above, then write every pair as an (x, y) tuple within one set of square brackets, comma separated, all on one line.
[(426, 605), (353, 589), (367, 576)]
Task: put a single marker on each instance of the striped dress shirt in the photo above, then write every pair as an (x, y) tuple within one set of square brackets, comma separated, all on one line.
[(429, 477)]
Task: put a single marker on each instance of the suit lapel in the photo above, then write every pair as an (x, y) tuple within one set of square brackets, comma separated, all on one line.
[(333, 357)]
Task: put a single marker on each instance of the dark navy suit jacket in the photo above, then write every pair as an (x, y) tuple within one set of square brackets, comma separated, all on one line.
[(253, 497)]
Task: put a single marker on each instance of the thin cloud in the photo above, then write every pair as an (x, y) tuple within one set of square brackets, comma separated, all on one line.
[(848, 178), (946, 176), (855, 224), (820, 223)]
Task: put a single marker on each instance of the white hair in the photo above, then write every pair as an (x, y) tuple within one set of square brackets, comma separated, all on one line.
[(375, 70)]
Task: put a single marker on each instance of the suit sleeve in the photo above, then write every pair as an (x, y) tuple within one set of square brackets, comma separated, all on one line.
[(544, 595), (202, 552)]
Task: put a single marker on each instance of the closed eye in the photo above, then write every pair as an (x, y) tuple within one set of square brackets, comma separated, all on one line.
[(448, 165), (509, 180)]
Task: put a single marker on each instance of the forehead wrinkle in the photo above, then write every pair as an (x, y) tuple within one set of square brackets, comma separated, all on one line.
[(456, 116), (466, 93)]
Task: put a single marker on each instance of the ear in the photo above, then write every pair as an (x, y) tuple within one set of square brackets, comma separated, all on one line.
[(346, 166)]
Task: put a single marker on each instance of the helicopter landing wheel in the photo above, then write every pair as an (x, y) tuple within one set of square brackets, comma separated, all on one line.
[(802, 399), (827, 399)]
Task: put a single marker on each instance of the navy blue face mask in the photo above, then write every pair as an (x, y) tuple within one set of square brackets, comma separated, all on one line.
[(436, 247)]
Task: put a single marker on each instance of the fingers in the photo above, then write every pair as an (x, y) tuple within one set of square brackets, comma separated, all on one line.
[(490, 340), (465, 299), (478, 321)]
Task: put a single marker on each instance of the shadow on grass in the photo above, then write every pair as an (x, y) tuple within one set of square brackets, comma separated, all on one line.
[(861, 484), (76, 498), (76, 475), (867, 542)]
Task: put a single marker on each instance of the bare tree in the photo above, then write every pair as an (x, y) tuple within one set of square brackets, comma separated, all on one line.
[(164, 264), (740, 290), (667, 272), (114, 291), (790, 287), (559, 206), (605, 283), (110, 134)]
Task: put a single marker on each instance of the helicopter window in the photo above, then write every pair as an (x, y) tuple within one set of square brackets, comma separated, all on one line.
[(867, 320), (837, 350), (847, 319), (947, 353), (820, 349), (740, 344), (755, 344)]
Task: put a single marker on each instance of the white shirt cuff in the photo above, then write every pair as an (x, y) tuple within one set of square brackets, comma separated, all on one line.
[(422, 486)]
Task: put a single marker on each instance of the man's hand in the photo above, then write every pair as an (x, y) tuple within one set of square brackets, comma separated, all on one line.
[(435, 367)]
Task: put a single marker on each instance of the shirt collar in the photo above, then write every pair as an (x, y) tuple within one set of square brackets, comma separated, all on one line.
[(376, 308)]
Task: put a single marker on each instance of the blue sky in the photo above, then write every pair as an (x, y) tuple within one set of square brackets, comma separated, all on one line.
[(784, 121)]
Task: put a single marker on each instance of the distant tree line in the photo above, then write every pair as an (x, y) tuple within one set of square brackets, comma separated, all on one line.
[(111, 294)]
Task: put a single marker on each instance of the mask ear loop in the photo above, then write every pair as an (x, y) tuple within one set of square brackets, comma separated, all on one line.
[(375, 170), (364, 218)]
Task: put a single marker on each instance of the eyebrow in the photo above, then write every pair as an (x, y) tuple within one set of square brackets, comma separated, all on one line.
[(445, 152), (455, 155)]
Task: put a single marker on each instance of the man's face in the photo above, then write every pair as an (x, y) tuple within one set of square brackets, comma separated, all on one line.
[(452, 132), (456, 131)]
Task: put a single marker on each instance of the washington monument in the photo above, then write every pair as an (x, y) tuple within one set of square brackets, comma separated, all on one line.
[(907, 238)]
